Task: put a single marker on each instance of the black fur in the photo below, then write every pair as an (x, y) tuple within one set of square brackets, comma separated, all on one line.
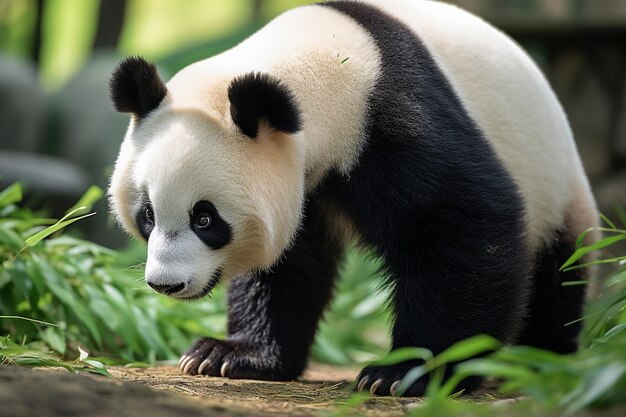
[(218, 234), (272, 317), (554, 305), (135, 87), (257, 95), (433, 199)]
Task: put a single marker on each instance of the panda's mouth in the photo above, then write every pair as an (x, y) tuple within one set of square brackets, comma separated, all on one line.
[(215, 278)]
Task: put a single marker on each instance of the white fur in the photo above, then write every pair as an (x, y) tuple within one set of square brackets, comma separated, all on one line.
[(304, 48)]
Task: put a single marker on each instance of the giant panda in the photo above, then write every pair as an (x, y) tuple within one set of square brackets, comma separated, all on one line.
[(410, 127)]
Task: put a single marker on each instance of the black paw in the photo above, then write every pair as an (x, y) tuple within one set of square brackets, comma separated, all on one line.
[(230, 359), (384, 380)]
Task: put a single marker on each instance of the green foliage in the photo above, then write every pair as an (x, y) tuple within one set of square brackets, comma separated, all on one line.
[(37, 355), (355, 327), (91, 294)]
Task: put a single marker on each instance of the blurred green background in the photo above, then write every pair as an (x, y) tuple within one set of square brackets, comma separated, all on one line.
[(59, 134)]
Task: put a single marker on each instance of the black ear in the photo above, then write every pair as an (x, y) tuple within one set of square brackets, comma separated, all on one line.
[(136, 87), (257, 95)]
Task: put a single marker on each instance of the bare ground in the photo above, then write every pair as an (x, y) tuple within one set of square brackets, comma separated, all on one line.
[(165, 391)]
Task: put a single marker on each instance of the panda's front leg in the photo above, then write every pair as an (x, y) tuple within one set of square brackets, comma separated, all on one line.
[(272, 317)]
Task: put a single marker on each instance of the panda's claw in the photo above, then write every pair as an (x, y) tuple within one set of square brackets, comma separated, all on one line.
[(394, 388), (224, 368), (362, 383), (188, 365), (184, 363), (375, 386), (202, 366), (180, 361), (386, 380)]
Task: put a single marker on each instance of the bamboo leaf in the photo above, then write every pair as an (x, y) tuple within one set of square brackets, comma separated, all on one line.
[(38, 237), (29, 319), (10, 195), (86, 202), (404, 354), (467, 348), (607, 221), (602, 243)]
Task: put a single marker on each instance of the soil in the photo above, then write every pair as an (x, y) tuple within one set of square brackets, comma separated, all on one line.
[(165, 391)]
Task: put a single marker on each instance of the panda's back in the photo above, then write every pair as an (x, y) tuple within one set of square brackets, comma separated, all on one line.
[(510, 100)]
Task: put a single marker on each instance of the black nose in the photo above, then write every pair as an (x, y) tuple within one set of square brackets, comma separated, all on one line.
[(168, 289)]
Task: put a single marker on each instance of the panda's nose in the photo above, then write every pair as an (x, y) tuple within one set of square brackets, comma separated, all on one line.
[(167, 289)]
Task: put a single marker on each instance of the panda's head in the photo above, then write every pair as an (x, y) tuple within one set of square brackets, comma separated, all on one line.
[(210, 173)]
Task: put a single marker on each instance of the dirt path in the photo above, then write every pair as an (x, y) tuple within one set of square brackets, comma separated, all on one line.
[(164, 391)]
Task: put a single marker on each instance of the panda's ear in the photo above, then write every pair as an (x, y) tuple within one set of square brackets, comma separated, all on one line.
[(256, 96), (135, 87)]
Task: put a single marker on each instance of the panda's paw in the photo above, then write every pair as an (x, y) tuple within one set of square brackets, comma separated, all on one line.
[(229, 358), (384, 380)]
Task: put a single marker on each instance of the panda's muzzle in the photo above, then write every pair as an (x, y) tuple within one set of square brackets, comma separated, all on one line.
[(167, 289)]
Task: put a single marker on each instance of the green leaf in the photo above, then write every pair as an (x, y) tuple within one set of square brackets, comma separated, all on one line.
[(38, 237), (410, 377), (529, 354), (621, 213), (11, 194), (55, 339), (602, 243), (614, 331), (467, 348), (596, 262), (597, 385), (404, 354), (487, 367), (11, 239), (607, 221), (86, 202), (28, 319)]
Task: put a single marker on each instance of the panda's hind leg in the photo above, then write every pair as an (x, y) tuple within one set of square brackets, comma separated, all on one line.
[(554, 308)]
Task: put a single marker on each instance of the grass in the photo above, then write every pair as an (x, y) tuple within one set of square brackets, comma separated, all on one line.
[(61, 296)]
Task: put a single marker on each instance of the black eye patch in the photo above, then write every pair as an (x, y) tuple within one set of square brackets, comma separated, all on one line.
[(145, 220), (209, 226)]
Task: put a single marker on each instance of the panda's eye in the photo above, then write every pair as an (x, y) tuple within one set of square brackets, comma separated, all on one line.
[(148, 214), (203, 221)]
